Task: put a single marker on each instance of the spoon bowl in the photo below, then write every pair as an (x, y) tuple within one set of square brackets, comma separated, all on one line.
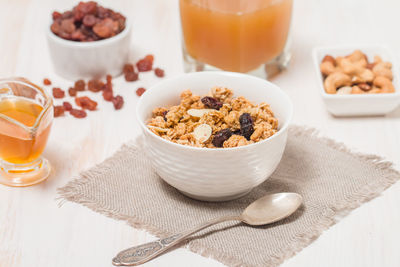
[(271, 208)]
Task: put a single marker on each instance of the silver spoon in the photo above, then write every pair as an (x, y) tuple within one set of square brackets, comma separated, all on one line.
[(265, 210)]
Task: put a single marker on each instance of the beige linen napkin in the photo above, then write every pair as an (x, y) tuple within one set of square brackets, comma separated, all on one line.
[(331, 179)]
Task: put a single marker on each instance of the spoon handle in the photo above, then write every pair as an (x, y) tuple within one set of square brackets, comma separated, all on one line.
[(140, 254)]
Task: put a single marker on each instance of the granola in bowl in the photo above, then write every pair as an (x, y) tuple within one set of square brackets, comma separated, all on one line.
[(218, 120)]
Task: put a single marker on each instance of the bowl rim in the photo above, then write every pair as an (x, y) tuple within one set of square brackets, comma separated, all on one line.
[(88, 45), (218, 73), (325, 95)]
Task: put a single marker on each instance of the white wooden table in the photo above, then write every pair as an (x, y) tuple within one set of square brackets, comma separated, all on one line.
[(35, 232)]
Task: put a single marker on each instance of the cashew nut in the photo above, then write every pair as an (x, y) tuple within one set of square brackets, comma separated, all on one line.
[(345, 90), (356, 90), (328, 65), (383, 69), (358, 57), (335, 80), (384, 84)]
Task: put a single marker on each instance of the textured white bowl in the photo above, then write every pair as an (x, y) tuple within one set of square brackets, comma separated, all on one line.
[(358, 105), (85, 60), (215, 174)]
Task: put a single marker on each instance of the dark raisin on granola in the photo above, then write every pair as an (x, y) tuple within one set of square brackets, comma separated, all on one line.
[(246, 125), (164, 114), (221, 136), (211, 102)]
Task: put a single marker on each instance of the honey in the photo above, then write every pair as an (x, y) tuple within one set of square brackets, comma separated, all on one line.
[(17, 144), (235, 35)]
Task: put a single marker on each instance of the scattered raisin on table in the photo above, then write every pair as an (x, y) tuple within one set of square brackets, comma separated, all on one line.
[(211, 102), (145, 64), (78, 113), (86, 103), (58, 93), (58, 111), (221, 136), (131, 76), (128, 68), (67, 106), (118, 102), (72, 91), (95, 85), (140, 91), (46, 81), (246, 125), (80, 85), (108, 95), (159, 72)]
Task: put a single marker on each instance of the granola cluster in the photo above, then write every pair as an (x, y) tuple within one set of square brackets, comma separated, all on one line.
[(215, 120)]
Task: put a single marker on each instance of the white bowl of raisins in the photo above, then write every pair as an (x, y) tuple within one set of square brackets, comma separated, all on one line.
[(215, 174), (88, 41)]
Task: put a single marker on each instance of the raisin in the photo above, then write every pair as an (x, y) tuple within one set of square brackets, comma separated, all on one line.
[(140, 91), (56, 15), (221, 136), (78, 16), (77, 35), (159, 72), (46, 81), (86, 103), (78, 113), (89, 7), (67, 106), (246, 125), (108, 95), (236, 132), (68, 26), (72, 91), (58, 111), (128, 68), (55, 28), (95, 85), (145, 64), (211, 102), (67, 14), (118, 102), (80, 85), (131, 76), (106, 28), (164, 114), (109, 78), (58, 93), (89, 20)]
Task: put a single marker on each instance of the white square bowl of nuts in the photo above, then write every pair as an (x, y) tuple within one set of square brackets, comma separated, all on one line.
[(214, 135), (357, 80)]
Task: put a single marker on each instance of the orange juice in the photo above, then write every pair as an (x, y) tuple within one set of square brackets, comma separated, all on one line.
[(235, 35), (16, 145)]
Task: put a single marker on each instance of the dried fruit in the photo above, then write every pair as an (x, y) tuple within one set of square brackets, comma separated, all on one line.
[(140, 91), (58, 111), (67, 106), (78, 113), (246, 125), (80, 85), (221, 136), (58, 93), (118, 102), (108, 95), (128, 68), (364, 86), (198, 113), (202, 132), (72, 91), (211, 102), (95, 85), (131, 76), (145, 64), (46, 81), (87, 22), (86, 103), (159, 72)]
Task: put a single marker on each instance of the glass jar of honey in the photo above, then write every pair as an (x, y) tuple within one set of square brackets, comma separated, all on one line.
[(26, 115)]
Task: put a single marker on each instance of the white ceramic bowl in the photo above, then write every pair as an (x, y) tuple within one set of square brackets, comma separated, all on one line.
[(85, 60), (358, 105), (215, 174)]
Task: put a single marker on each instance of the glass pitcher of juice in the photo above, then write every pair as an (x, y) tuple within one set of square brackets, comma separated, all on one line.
[(26, 115), (249, 36)]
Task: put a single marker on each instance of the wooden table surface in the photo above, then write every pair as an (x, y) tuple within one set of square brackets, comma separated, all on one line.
[(35, 232)]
